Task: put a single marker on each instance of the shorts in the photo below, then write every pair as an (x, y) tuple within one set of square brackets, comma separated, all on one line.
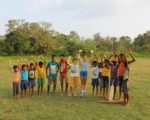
[(15, 88), (125, 87), (52, 80), (83, 73), (106, 82), (95, 82), (32, 83), (24, 84), (73, 81), (101, 82), (40, 81), (114, 80), (63, 76), (120, 80)]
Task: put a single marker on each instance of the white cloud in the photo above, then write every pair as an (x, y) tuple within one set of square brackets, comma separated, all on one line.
[(59, 3), (36, 4)]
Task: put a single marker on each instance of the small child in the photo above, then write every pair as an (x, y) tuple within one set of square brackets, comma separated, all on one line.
[(113, 75), (95, 74), (100, 77), (63, 64), (74, 74), (125, 82), (105, 74), (24, 80), (52, 69), (41, 76), (15, 79), (32, 78)]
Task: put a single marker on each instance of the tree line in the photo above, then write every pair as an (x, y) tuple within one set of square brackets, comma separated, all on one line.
[(24, 37)]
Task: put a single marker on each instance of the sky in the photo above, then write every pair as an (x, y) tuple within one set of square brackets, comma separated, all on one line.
[(86, 17)]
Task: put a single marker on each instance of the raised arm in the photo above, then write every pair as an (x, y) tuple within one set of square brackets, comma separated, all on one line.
[(43, 59), (92, 56), (78, 56), (10, 66), (130, 52), (69, 59)]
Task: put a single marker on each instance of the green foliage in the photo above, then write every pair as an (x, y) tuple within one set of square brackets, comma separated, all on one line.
[(16, 42), (39, 37)]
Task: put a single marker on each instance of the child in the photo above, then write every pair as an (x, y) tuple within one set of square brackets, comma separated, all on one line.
[(105, 74), (74, 74), (113, 75), (63, 73), (121, 68), (41, 74), (52, 69), (100, 65), (24, 80), (84, 65), (95, 73), (32, 78), (125, 84), (15, 79)]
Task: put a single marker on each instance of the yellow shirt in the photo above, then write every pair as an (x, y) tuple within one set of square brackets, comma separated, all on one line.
[(41, 72), (105, 71)]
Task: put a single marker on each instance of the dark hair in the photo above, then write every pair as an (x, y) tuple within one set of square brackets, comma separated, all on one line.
[(41, 63), (62, 55), (31, 64), (23, 66), (95, 63), (106, 61), (15, 66), (74, 59), (53, 55), (121, 55), (84, 53), (100, 65)]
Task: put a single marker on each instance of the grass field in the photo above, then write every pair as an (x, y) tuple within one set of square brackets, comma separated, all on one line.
[(76, 108)]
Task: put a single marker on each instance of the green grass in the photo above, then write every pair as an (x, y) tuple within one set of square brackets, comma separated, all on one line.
[(76, 108)]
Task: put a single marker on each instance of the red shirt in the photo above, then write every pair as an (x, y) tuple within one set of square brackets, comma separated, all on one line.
[(63, 66), (121, 69)]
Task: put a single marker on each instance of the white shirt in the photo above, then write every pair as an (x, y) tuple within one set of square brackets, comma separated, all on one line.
[(74, 72), (95, 72)]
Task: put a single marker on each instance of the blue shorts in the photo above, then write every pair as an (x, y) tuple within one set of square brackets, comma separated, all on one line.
[(24, 84), (115, 80), (31, 83), (95, 82), (83, 73)]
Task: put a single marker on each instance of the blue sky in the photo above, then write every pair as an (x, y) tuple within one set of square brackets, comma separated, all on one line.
[(109, 17)]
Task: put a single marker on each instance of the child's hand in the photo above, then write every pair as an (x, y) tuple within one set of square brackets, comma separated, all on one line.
[(130, 51), (92, 51), (80, 51), (69, 57)]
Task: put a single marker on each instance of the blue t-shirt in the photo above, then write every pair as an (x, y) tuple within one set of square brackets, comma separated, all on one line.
[(84, 66), (24, 74), (53, 67)]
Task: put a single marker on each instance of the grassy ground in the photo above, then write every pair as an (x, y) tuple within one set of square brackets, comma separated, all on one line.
[(76, 108)]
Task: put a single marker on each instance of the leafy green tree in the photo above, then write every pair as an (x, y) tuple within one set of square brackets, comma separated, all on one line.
[(16, 43)]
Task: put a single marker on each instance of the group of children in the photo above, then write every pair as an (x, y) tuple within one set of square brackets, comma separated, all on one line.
[(115, 68)]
